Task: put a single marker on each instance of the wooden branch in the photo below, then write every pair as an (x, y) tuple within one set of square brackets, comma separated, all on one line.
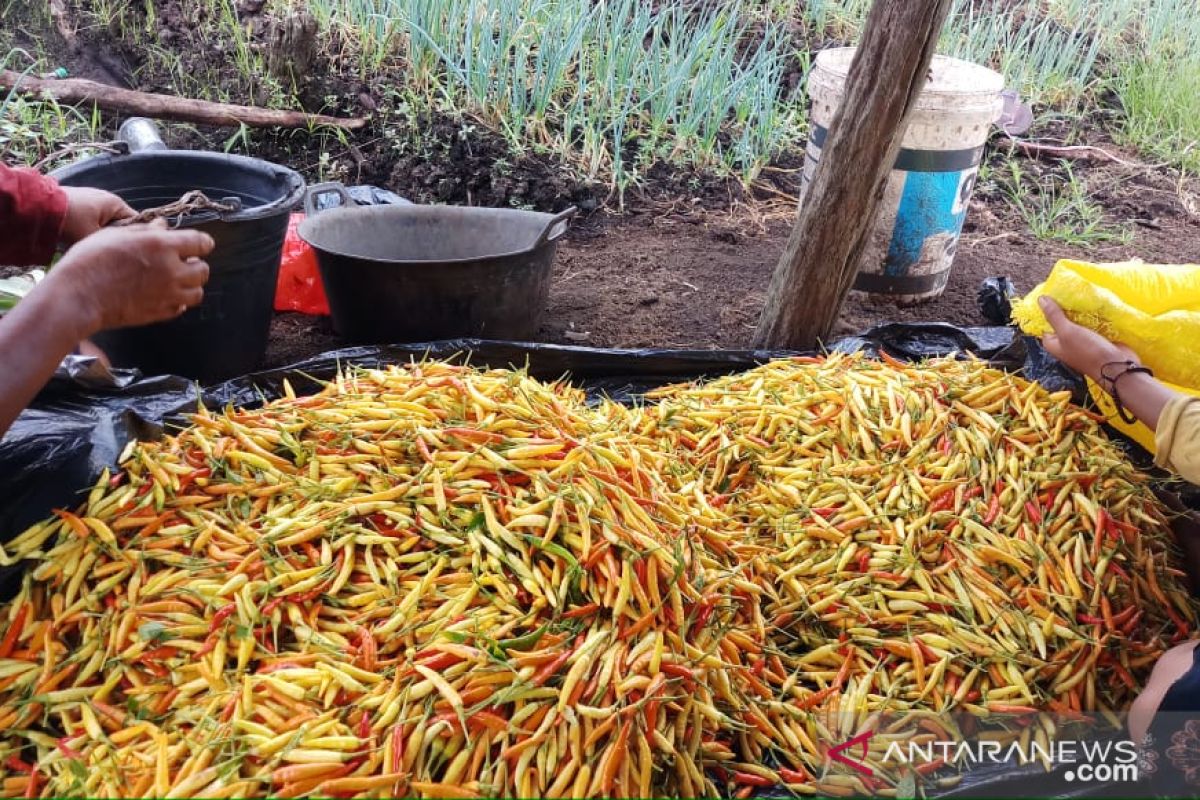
[(162, 106), (1079, 152), (818, 267)]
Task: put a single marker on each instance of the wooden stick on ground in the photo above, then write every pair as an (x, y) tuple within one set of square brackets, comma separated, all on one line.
[(161, 106), (1080, 152)]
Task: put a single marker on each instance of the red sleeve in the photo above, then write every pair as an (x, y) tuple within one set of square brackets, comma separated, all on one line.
[(32, 209)]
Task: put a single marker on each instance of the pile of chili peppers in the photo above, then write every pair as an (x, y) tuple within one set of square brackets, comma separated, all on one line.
[(438, 581)]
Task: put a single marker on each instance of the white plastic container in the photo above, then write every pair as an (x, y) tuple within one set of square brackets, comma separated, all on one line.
[(925, 203)]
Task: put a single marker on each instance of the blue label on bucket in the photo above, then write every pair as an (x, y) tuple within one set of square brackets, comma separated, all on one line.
[(933, 204)]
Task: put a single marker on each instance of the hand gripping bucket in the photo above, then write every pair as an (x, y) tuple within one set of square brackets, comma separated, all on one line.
[(912, 246)]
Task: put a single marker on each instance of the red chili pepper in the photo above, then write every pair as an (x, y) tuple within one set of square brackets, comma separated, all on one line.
[(31, 790), (930, 656), (679, 671), (364, 727), (547, 671), (397, 746), (815, 698), (594, 557), (1180, 625), (473, 434), (973, 492), (308, 596), (222, 615), (1129, 626), (794, 775), (945, 445), (159, 653), (270, 606), (750, 779), (826, 511), (1035, 513), (864, 560), (993, 510), (1088, 619), (930, 766), (704, 610), (14, 631), (639, 569), (207, 647), (263, 636), (944, 502), (17, 765), (582, 611), (230, 707), (440, 661), (157, 670), (191, 477), (884, 575)]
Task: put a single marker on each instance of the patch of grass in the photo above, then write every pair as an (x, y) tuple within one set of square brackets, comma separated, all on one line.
[(1159, 84), (33, 130), (1162, 110), (608, 87), (1060, 208)]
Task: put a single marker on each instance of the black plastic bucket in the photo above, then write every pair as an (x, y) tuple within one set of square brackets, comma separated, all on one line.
[(225, 335), (407, 273)]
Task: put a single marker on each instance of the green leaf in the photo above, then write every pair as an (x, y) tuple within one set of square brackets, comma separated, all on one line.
[(522, 642), (552, 548), (153, 632)]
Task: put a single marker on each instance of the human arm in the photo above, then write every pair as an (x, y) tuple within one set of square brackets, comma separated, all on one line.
[(116, 278), (32, 211), (1088, 352), (36, 215), (1174, 416)]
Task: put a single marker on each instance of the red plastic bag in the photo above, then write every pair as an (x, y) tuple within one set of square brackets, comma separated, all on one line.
[(299, 287)]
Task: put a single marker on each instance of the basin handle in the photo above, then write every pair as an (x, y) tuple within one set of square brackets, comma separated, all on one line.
[(556, 227), (333, 187)]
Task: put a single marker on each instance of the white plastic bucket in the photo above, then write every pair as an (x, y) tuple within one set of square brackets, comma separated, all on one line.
[(912, 247)]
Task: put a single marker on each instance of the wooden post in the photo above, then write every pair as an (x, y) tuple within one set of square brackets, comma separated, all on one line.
[(817, 269)]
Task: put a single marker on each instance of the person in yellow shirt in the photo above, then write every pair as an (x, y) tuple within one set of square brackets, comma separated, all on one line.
[(1174, 685)]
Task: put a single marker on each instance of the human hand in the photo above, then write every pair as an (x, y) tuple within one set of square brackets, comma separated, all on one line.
[(1081, 349), (133, 275), (89, 210)]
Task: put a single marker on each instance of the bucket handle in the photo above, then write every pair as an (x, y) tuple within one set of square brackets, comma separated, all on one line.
[(332, 187), (556, 227)]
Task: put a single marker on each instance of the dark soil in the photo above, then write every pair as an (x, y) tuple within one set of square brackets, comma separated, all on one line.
[(699, 281)]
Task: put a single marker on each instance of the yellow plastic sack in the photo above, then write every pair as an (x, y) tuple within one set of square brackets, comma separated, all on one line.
[(1153, 309)]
